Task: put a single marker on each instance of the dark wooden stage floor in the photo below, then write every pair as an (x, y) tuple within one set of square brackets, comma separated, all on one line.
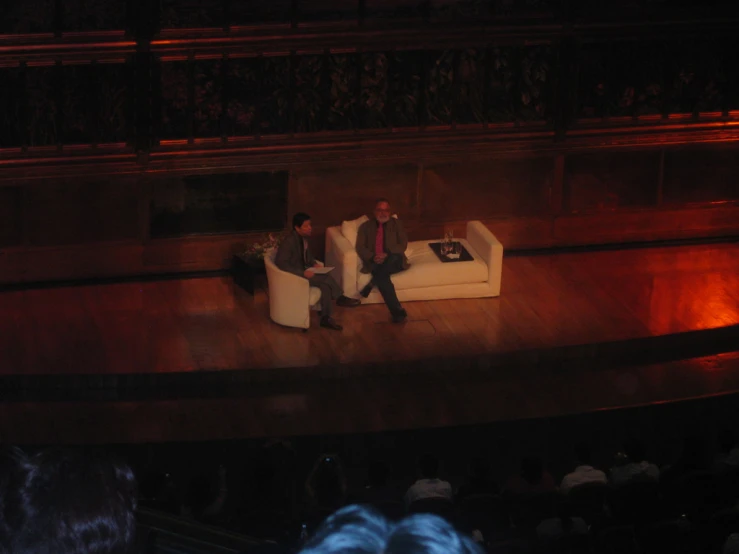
[(162, 360)]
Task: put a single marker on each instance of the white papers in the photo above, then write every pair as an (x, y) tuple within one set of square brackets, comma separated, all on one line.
[(320, 270)]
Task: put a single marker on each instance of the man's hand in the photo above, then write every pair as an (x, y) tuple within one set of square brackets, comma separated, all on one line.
[(308, 273), (379, 258)]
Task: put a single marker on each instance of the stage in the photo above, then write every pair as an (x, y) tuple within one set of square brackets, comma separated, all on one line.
[(199, 358)]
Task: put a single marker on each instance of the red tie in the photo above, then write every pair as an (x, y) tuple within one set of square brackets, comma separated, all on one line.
[(379, 240)]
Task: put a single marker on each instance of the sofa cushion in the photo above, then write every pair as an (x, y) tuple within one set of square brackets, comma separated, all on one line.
[(427, 270), (350, 229)]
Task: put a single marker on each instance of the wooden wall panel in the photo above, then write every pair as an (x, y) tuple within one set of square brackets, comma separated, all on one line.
[(194, 253), (99, 227), (610, 180), (700, 174), (11, 266), (217, 203), (333, 195), (11, 216), (81, 262), (523, 232), (646, 225), (513, 232), (73, 212), (481, 189)]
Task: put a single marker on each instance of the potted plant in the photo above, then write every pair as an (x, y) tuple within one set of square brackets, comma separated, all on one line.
[(255, 253), (250, 262)]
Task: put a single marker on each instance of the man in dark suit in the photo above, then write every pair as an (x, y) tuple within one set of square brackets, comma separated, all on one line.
[(294, 256), (381, 244)]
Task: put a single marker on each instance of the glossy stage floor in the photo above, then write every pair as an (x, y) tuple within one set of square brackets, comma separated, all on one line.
[(198, 358)]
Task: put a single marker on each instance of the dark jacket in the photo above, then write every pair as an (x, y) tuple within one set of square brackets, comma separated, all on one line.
[(396, 242), (290, 258)]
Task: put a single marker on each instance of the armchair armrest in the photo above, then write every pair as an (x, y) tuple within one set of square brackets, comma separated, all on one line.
[(289, 296), (490, 250), (342, 255)]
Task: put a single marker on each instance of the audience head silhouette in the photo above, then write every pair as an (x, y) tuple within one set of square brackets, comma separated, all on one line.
[(726, 440), (360, 530), (199, 494), (583, 454), (13, 465), (479, 468), (73, 503), (532, 470), (428, 466), (378, 474), (635, 451), (327, 482), (694, 451)]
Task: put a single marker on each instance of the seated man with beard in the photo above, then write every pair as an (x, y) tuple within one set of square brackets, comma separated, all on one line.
[(381, 245)]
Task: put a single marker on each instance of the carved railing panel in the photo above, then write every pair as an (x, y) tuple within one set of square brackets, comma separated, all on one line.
[(42, 89), (184, 71), (93, 15), (12, 98), (11, 216), (33, 16)]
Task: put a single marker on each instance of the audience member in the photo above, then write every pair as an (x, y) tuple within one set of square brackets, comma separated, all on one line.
[(633, 465), (359, 530), (325, 488), (478, 479), (62, 501), (157, 490), (692, 458), (73, 503), (533, 479), (271, 481), (429, 485), (584, 472), (731, 546), (728, 455), (268, 499), (564, 525), (377, 491), (13, 465), (203, 500)]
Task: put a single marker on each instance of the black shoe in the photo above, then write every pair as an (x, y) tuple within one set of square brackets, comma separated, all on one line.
[(347, 302), (330, 323), (365, 292), (400, 316)]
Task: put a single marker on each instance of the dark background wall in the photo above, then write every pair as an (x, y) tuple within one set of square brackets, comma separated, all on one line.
[(144, 137)]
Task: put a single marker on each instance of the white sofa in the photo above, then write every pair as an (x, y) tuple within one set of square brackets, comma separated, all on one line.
[(290, 296), (427, 278)]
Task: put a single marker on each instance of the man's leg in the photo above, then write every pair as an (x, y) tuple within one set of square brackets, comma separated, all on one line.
[(381, 277), (324, 283), (336, 292)]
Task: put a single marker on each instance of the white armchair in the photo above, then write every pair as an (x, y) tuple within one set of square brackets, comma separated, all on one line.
[(290, 296)]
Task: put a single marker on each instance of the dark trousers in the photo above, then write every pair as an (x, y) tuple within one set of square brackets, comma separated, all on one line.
[(381, 278), (330, 291)]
